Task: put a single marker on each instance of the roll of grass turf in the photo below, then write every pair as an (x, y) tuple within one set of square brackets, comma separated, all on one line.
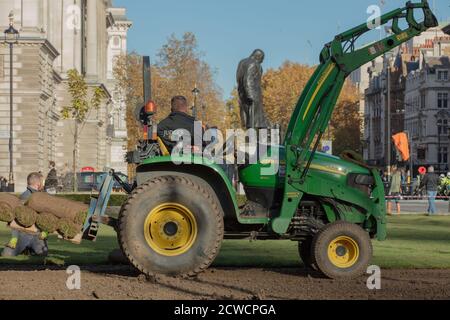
[(6, 213), (25, 217), (11, 200), (47, 222), (59, 207), (68, 229), (80, 218)]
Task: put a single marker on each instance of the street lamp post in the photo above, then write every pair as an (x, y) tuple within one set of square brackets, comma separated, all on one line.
[(389, 130), (440, 127), (205, 121), (11, 38), (411, 163), (410, 142), (195, 92)]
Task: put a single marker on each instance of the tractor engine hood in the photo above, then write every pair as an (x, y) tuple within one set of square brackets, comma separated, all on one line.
[(324, 166)]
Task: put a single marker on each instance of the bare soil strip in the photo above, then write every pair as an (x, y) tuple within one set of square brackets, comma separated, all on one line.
[(121, 282)]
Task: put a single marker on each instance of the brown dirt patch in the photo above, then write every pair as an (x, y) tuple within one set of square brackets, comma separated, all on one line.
[(121, 282)]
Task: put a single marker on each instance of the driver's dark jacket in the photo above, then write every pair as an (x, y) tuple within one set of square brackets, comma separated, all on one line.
[(175, 121)]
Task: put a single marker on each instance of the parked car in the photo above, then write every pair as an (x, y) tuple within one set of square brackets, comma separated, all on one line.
[(88, 181)]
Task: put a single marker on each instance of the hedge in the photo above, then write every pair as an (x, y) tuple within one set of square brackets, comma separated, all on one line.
[(116, 199)]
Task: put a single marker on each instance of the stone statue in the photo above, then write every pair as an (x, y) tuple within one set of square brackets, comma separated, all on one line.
[(249, 76)]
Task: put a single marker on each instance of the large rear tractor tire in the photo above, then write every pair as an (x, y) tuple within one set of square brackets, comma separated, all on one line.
[(171, 226), (342, 250)]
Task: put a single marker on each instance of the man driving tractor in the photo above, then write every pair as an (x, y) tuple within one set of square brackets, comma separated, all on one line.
[(178, 119)]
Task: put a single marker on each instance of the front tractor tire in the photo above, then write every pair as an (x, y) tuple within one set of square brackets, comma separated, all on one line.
[(171, 226), (342, 250)]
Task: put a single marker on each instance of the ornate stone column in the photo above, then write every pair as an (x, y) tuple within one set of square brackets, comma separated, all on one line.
[(92, 39)]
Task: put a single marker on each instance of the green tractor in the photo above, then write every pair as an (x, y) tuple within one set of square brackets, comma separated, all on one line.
[(176, 219)]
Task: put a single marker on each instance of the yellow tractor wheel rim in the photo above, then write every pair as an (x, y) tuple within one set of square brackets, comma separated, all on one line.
[(343, 252), (170, 229)]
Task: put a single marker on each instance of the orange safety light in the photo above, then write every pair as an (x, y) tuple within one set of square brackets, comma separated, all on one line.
[(150, 108)]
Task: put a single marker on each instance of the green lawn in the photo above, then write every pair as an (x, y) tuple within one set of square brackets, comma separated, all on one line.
[(414, 242)]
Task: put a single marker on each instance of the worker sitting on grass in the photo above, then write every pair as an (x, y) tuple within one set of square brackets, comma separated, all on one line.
[(22, 242)]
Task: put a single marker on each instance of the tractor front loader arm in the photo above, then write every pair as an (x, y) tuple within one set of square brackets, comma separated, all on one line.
[(314, 110), (342, 49)]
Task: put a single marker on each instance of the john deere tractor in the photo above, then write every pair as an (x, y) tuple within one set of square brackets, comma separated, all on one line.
[(177, 217)]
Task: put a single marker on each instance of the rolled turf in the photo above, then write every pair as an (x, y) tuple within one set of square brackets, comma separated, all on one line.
[(47, 222), (6, 213), (80, 218), (25, 217), (59, 207), (11, 200), (68, 229)]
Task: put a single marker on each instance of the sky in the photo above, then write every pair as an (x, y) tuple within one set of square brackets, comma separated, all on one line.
[(229, 30)]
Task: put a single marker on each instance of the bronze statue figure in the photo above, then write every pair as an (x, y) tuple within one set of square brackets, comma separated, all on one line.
[(249, 76)]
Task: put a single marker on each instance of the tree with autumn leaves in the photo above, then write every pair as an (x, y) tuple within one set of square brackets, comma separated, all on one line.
[(281, 90), (79, 110), (178, 69), (346, 123)]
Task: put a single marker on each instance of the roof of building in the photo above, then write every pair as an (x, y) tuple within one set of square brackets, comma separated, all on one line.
[(119, 14), (437, 62)]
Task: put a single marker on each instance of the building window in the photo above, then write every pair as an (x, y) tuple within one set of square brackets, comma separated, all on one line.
[(443, 75), (442, 100), (442, 127), (423, 128), (116, 42), (443, 155), (415, 130), (421, 154), (423, 99)]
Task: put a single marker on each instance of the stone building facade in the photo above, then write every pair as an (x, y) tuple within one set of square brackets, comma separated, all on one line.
[(117, 45), (428, 112), (35, 114), (55, 37), (415, 95), (387, 73)]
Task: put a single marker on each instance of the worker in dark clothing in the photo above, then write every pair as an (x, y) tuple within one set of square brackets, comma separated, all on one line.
[(179, 119), (20, 242), (3, 184), (51, 183), (430, 183)]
